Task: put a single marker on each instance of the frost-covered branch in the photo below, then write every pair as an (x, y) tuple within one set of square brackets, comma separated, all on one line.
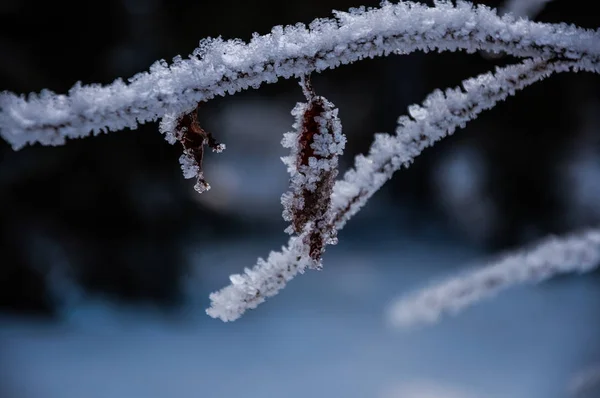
[(250, 289), (573, 253), (519, 9), (440, 115), (221, 67), (315, 143)]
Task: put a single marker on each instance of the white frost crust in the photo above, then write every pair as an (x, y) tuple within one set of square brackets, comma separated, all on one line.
[(265, 279), (573, 253), (219, 67), (439, 116)]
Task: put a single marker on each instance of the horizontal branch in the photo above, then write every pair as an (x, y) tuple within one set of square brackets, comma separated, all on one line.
[(221, 67), (440, 115), (574, 253)]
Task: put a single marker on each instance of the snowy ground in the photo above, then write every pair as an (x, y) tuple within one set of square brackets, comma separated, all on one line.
[(323, 336)]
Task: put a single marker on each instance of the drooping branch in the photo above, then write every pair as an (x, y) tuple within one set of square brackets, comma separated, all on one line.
[(440, 115), (220, 67), (573, 253)]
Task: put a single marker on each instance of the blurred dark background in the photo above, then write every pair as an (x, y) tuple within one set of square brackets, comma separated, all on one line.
[(112, 216), (109, 212)]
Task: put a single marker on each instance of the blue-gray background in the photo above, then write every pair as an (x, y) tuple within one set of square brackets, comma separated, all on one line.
[(107, 255)]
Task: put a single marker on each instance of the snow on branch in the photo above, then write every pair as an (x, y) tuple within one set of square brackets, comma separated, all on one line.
[(573, 253), (221, 67), (315, 145), (248, 290), (440, 115)]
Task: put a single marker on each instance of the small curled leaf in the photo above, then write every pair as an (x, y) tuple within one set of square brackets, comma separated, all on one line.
[(186, 129)]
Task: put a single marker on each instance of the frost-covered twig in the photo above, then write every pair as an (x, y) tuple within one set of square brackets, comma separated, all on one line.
[(220, 67), (265, 279), (439, 116), (527, 9), (573, 253), (315, 145)]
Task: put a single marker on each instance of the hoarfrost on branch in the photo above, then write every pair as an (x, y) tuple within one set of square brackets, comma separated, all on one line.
[(316, 205), (576, 253), (219, 67)]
